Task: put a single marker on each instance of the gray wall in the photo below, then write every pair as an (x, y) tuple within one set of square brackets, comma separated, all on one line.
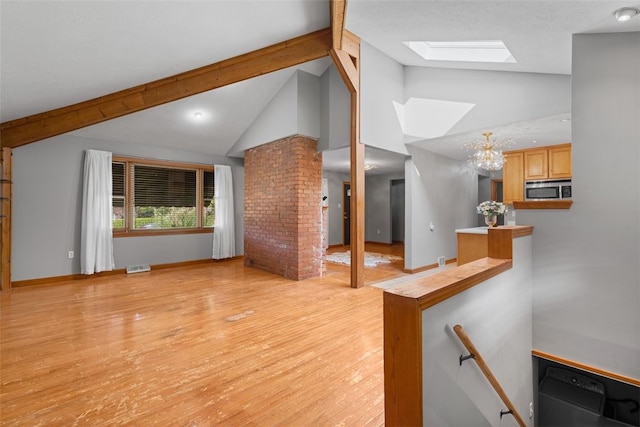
[(335, 180), (295, 109), (500, 97), (47, 207), (381, 83), (378, 208), (335, 133), (335, 111), (441, 191), (496, 315), (445, 192), (308, 105), (587, 258), (277, 120), (397, 209)]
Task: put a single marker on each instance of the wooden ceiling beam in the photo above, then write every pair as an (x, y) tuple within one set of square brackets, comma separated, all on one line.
[(282, 55), (337, 10)]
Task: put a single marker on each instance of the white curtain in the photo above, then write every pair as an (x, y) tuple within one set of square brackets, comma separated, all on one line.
[(224, 241), (97, 238)]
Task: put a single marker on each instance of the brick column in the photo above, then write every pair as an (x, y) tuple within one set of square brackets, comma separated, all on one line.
[(283, 208)]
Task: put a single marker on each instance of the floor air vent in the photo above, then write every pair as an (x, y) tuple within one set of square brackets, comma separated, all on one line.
[(138, 268)]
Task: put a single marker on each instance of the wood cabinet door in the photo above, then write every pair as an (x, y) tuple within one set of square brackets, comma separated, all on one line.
[(560, 161), (535, 164), (512, 177)]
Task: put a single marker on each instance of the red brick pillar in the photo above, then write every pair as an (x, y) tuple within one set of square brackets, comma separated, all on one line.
[(283, 208)]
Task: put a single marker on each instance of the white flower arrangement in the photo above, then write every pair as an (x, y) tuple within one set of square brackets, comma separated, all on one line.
[(491, 208)]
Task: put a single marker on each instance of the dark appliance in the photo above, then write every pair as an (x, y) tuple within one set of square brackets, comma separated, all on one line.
[(567, 398)]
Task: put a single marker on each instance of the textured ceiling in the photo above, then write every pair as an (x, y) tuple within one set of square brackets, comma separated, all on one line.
[(538, 33), (55, 53)]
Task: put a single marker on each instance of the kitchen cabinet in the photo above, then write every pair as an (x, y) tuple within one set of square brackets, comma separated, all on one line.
[(513, 177), (536, 164), (542, 163), (560, 161), (552, 162)]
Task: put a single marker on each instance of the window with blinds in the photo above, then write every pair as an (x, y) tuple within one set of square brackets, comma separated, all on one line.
[(149, 195), (208, 211)]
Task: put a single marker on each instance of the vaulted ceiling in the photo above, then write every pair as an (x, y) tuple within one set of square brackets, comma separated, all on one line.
[(58, 53)]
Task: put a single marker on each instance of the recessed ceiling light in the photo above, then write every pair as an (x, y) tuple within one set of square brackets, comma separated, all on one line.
[(565, 120), (625, 13), (198, 116), (534, 142), (468, 51)]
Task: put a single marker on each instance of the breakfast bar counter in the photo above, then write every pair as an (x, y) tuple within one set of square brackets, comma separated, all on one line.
[(473, 242)]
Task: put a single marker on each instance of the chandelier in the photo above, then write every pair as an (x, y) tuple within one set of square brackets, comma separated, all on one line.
[(488, 154)]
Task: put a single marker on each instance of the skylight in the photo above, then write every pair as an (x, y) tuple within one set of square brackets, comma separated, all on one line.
[(467, 51), (423, 118)]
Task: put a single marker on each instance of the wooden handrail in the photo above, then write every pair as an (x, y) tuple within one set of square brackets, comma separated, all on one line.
[(487, 373)]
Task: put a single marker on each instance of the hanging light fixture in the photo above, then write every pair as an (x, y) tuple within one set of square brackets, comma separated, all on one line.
[(488, 154)]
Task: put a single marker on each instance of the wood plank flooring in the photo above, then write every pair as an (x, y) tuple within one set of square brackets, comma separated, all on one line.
[(212, 344)]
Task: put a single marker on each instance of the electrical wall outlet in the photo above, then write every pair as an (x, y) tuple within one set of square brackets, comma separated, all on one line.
[(70, 254), (441, 261)]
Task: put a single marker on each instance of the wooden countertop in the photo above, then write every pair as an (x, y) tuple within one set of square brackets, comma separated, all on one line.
[(518, 230), (430, 290), (403, 307)]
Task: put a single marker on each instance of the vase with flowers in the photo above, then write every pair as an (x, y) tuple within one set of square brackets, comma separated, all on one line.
[(490, 211)]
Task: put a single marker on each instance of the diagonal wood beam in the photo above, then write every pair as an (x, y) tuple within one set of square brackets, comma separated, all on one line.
[(337, 10), (351, 45), (348, 71), (292, 52)]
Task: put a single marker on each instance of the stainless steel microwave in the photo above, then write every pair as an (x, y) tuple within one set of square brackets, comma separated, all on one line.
[(547, 190)]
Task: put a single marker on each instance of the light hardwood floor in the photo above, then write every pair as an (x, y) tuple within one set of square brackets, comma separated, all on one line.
[(211, 344)]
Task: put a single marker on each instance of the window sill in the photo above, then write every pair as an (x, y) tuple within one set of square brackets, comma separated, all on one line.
[(543, 204), (140, 233)]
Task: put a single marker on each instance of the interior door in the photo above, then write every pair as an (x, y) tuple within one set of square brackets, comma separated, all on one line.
[(346, 213)]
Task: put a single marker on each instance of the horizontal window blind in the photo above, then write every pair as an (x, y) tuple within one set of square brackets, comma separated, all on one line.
[(208, 214), (147, 196), (164, 198), (118, 210)]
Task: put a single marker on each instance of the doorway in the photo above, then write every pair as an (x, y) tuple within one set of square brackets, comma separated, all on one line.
[(489, 189), (346, 213), (496, 194), (397, 210)]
